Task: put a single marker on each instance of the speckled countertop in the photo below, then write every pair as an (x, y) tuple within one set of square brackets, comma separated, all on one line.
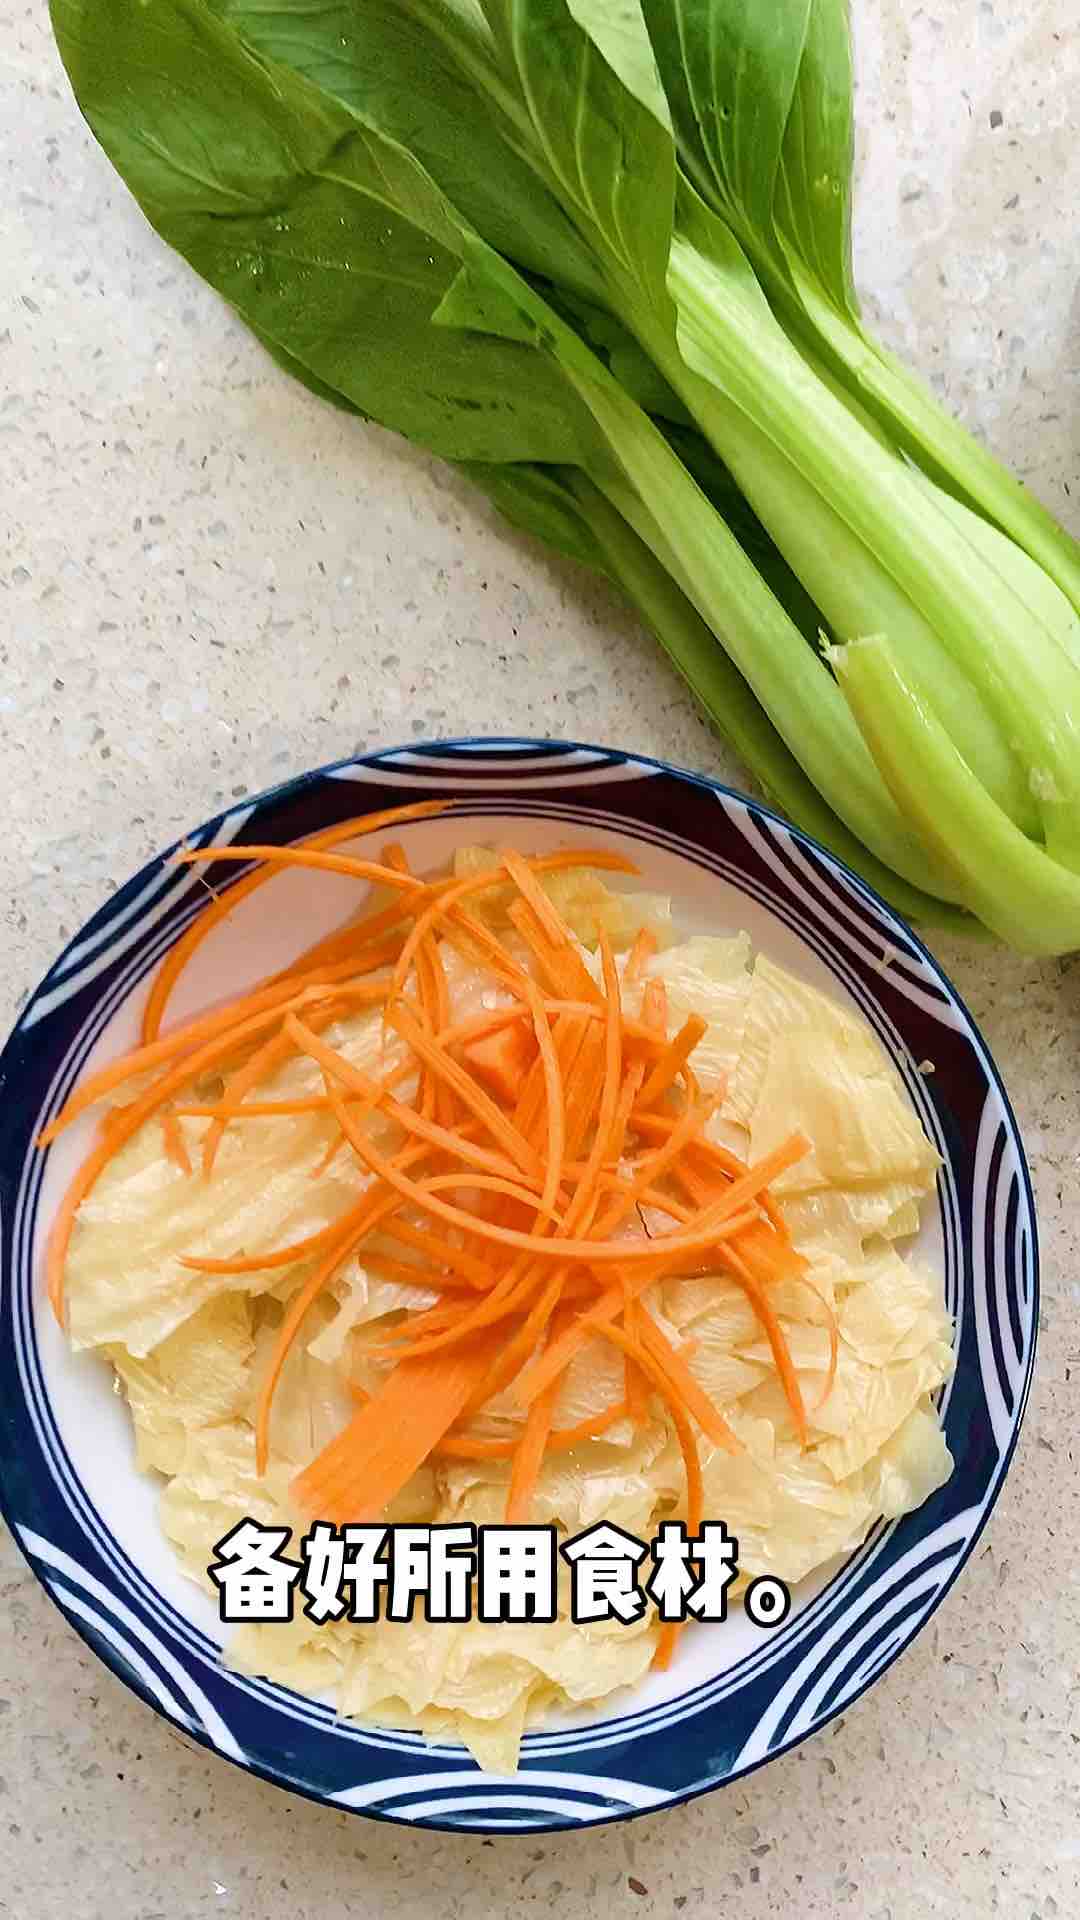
[(209, 581)]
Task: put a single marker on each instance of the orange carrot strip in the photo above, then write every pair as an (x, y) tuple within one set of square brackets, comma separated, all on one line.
[(695, 1492), (355, 1478), (691, 1394), (410, 1275), (714, 1225), (335, 1257), (473, 1447), (139, 1060), (611, 1074), (630, 1088), (673, 1059), (476, 1272), (767, 1253), (382, 933), (515, 1351), (174, 1141), (530, 1450), (377, 1095), (495, 877), (554, 1096), (445, 1101), (121, 1131), (179, 956), (637, 1387), (588, 1087), (379, 1205), (654, 1005), (655, 1164), (774, 1333), (561, 965), (652, 1260), (713, 1156), (272, 1053), (426, 993), (308, 857), (530, 889), (639, 956), (502, 1060), (466, 1089), (561, 1438), (569, 1036), (485, 1183), (342, 1070)]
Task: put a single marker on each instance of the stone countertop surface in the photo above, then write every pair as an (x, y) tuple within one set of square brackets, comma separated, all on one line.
[(209, 581)]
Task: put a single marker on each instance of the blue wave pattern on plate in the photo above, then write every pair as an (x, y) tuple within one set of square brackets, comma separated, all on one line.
[(630, 1761)]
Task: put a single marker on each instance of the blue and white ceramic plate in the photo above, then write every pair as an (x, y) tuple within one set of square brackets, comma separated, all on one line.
[(85, 1517)]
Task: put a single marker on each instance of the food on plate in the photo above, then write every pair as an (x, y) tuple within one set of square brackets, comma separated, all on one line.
[(513, 1198)]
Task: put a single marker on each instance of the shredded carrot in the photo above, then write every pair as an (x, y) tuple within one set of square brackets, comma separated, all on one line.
[(548, 1121), (569, 1037), (394, 855), (174, 1141), (473, 1447), (637, 1387), (312, 857), (376, 1094), (554, 1097), (487, 1183), (531, 891), (560, 964), (410, 1275), (273, 1053), (143, 1059), (695, 1496), (715, 1225), (374, 940), (252, 1109), (651, 1261), (606, 1117), (774, 1333), (179, 956), (446, 1104), (673, 1060), (126, 1125), (501, 1060), (472, 1096), (640, 954), (677, 1373), (654, 1005), (357, 1476), (492, 877), (228, 1022), (337, 1254), (443, 1252), (529, 1453), (715, 1159)]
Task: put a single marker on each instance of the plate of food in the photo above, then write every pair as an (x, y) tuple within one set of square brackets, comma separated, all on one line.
[(514, 1163)]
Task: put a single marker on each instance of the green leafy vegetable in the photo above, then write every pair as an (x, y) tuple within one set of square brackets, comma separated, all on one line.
[(598, 253)]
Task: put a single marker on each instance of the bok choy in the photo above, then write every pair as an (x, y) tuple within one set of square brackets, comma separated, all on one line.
[(597, 252)]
